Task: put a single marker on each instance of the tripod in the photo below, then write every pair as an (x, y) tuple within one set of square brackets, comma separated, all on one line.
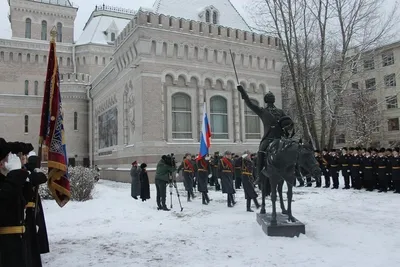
[(171, 185)]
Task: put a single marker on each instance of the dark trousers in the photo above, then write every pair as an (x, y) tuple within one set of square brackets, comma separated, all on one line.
[(13, 251), (369, 179), (238, 181), (346, 177), (161, 187), (356, 178), (335, 177), (383, 185), (327, 178), (396, 184)]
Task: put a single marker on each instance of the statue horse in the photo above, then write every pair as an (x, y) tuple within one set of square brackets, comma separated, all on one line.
[(282, 156)]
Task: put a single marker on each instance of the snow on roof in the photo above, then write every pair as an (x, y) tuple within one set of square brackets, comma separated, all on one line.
[(191, 9), (102, 19), (56, 2)]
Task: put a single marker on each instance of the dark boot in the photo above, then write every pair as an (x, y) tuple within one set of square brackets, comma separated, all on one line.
[(233, 200), (229, 201), (260, 165), (192, 194), (159, 206), (256, 203), (207, 198), (164, 206), (203, 199), (248, 205), (188, 197)]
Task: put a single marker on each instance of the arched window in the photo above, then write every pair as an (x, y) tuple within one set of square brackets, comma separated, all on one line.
[(112, 37), (252, 123), (219, 117), (59, 32), (26, 124), (68, 62), (28, 58), (96, 60), (28, 27), (36, 87), (44, 30), (181, 116), (215, 17), (26, 87), (75, 121), (208, 16)]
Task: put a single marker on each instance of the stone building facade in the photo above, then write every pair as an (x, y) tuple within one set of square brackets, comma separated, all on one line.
[(135, 82)]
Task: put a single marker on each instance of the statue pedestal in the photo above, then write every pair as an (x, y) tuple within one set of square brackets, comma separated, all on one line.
[(283, 228)]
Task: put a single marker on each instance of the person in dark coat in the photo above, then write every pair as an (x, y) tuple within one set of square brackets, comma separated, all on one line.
[(12, 208), (226, 172), (382, 166), (395, 164), (203, 173), (368, 167), (247, 169), (333, 163), (325, 167), (238, 176), (318, 157), (165, 168), (135, 180), (355, 169), (344, 161), (144, 183), (188, 175)]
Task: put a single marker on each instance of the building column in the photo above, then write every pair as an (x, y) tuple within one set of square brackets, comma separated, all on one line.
[(236, 115), (200, 103)]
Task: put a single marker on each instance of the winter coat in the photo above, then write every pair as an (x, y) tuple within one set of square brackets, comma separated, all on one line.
[(144, 184), (135, 184), (226, 173), (163, 171)]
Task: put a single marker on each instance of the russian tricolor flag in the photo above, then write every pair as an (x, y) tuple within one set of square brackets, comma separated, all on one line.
[(205, 135)]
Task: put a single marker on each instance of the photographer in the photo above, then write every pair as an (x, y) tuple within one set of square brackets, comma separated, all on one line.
[(165, 168)]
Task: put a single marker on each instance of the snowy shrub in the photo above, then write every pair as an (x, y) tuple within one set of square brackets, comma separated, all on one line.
[(82, 181)]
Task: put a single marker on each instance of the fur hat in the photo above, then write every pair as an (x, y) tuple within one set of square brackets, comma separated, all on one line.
[(397, 149), (325, 150), (134, 163), (269, 98), (227, 153), (389, 150), (143, 165), (4, 149), (317, 151), (19, 147), (375, 150), (382, 150)]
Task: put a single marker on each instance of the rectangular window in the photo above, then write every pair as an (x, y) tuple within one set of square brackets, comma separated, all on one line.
[(387, 59), (391, 102), (341, 139), (354, 67), (75, 121), (369, 64), (370, 84), (26, 124), (393, 124), (390, 80), (354, 85)]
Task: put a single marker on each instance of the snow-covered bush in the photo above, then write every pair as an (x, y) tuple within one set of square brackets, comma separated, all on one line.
[(82, 181)]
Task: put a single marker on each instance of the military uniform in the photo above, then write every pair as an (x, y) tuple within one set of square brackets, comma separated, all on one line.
[(238, 175), (395, 165), (188, 175), (344, 161), (382, 167), (226, 173), (318, 157), (333, 163), (355, 169), (203, 171), (247, 168), (325, 169), (368, 169)]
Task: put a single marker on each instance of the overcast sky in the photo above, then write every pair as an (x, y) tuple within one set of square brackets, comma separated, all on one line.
[(85, 9)]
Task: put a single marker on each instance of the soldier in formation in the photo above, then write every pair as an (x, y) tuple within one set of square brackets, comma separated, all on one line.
[(371, 169)]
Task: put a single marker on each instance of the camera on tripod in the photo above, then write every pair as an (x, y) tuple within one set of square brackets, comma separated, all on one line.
[(170, 160)]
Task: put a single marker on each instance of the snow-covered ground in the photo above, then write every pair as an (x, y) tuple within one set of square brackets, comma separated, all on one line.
[(344, 228)]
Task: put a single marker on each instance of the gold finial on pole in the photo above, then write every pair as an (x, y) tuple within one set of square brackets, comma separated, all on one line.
[(53, 33)]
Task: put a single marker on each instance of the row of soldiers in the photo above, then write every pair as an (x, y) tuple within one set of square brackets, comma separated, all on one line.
[(226, 173), (361, 168), (23, 235)]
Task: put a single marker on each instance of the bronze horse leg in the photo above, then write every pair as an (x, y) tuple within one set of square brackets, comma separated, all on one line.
[(273, 200), (263, 182), (280, 188), (290, 197)]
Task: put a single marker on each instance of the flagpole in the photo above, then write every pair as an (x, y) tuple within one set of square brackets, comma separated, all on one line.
[(53, 34)]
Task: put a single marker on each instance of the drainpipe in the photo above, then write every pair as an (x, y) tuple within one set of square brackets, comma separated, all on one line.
[(90, 124)]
